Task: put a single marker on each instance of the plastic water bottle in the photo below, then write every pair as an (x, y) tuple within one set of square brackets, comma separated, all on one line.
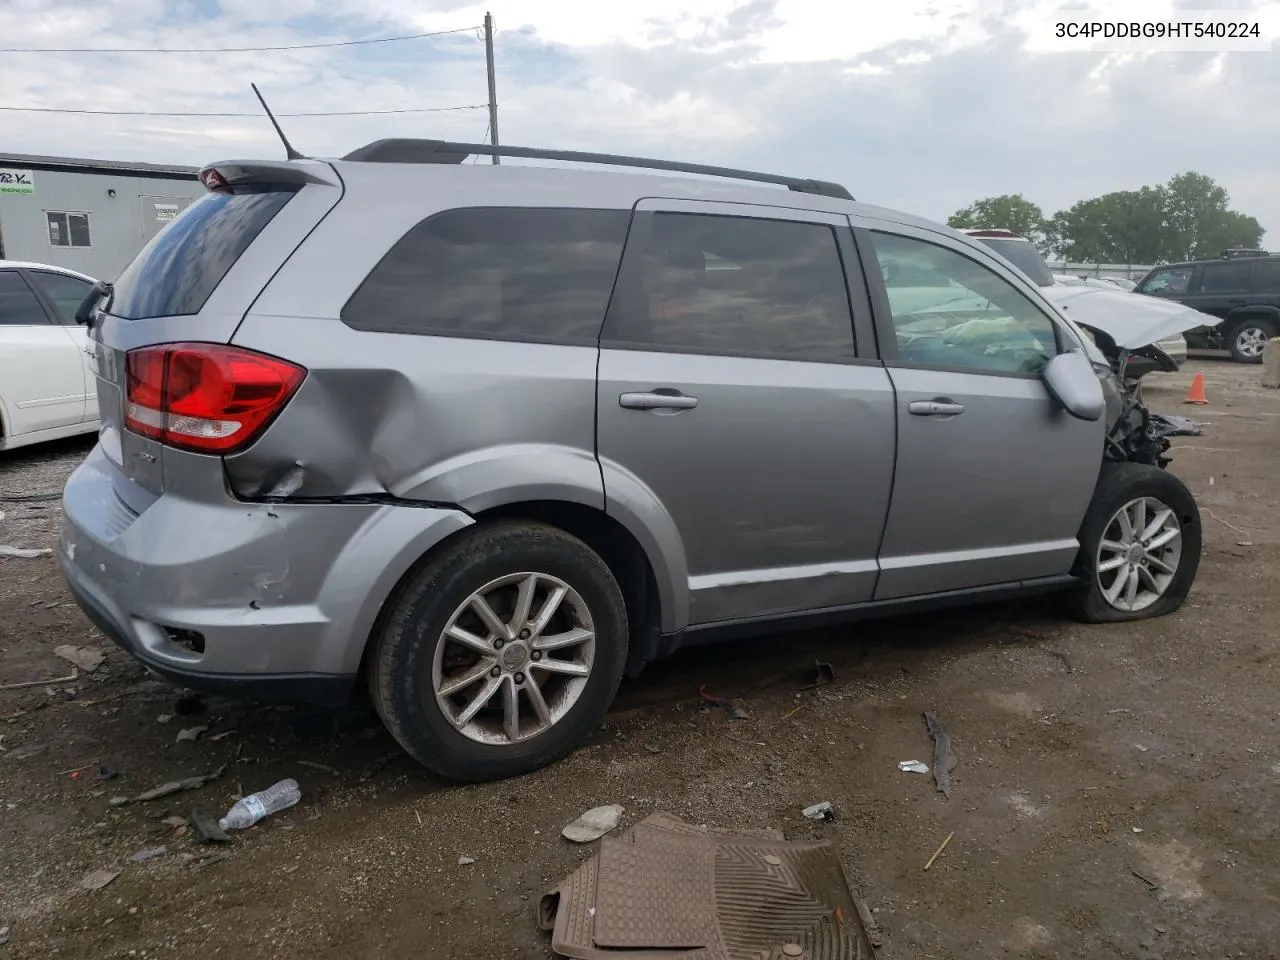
[(249, 810)]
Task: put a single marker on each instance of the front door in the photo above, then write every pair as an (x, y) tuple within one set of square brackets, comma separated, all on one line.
[(732, 404), (41, 380), (63, 294), (993, 478)]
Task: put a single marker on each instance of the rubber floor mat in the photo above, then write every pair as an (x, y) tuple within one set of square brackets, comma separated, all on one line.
[(666, 890)]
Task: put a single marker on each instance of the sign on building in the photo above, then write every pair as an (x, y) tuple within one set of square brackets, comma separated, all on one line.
[(165, 212), (17, 181)]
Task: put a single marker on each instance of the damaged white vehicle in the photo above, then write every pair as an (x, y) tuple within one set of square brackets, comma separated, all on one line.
[(1128, 321)]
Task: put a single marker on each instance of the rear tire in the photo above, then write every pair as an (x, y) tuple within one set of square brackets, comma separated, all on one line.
[(472, 625), (1139, 546), (1247, 338)]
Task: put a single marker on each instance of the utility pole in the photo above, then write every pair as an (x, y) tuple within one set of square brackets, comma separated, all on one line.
[(493, 85)]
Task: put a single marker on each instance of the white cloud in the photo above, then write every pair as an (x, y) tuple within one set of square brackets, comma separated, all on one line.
[(925, 104)]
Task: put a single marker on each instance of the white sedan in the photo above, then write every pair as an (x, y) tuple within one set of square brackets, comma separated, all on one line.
[(48, 388)]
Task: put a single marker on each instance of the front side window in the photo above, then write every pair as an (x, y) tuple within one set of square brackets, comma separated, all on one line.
[(18, 305), (1225, 277), (734, 286), (982, 323), (1170, 282), (538, 274), (66, 293), (68, 229)]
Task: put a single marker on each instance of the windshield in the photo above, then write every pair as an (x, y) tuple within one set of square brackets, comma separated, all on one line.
[(182, 265), (1023, 255)]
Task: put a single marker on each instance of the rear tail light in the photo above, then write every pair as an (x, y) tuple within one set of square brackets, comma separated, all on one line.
[(206, 397)]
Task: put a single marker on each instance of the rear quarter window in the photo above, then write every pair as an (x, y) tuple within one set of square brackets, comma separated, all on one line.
[(537, 274), (176, 273)]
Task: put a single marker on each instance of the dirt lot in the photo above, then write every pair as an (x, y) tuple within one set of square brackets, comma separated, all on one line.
[(1118, 791)]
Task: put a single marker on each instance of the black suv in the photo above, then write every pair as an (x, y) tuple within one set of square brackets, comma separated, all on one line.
[(1241, 288)]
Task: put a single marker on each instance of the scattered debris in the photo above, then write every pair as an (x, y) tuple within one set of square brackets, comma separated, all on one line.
[(1244, 543), (189, 706), (1063, 656), (207, 829), (23, 553), (118, 801), (653, 748), (656, 891), (1137, 829), (732, 707), (912, 766), (319, 766), (178, 823), (465, 861), (75, 675), (142, 856), (249, 810), (221, 736), (189, 734), (216, 858), (4, 927), (76, 770), (941, 753), (86, 658), (1230, 526), (178, 786), (1140, 748), (107, 773), (1119, 710), (97, 879), (937, 853), (593, 824), (1151, 884), (823, 674), (164, 718), (820, 811)]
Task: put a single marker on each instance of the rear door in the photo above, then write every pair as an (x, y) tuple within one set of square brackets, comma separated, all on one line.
[(195, 280), (993, 478), (1220, 287), (63, 294), (41, 378), (732, 397)]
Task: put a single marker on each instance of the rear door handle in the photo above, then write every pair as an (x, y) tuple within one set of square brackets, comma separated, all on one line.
[(657, 401), (939, 407)]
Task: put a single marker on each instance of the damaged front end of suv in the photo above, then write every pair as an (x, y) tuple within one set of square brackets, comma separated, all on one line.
[(1134, 433)]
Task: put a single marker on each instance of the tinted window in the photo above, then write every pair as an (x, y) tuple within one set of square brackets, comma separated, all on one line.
[(1224, 277), (1171, 282), (542, 274), (981, 322), (184, 263), (67, 293), (1266, 276), (733, 285), (68, 229), (18, 305), (1023, 255)]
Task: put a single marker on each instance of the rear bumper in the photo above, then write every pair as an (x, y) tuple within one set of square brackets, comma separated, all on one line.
[(272, 602)]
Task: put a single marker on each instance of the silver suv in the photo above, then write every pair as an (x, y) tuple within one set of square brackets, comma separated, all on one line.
[(485, 438)]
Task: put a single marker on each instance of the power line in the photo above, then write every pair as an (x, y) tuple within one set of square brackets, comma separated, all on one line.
[(322, 113), (293, 46)]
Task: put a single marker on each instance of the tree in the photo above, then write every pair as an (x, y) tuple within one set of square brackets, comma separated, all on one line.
[(1127, 226), (1011, 211)]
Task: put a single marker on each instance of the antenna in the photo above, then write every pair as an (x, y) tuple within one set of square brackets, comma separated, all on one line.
[(289, 152)]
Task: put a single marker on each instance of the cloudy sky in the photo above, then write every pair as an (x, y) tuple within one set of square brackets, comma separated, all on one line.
[(923, 105)]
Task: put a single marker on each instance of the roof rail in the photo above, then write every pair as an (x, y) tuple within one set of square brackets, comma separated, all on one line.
[(396, 150), (1232, 252)]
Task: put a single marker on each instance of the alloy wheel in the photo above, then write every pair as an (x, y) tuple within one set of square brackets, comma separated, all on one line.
[(1139, 554)]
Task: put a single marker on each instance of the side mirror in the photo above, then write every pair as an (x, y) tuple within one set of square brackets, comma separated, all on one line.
[(84, 312), (1073, 383)]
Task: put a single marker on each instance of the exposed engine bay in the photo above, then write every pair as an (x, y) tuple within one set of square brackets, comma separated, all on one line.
[(1134, 433)]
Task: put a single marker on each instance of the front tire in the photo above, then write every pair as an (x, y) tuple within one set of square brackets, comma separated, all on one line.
[(1246, 339), (1139, 546), (502, 653)]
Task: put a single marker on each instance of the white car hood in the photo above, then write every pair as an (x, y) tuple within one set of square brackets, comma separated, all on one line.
[(1132, 320)]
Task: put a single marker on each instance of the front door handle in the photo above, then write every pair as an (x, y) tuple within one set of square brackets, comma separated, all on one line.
[(657, 400), (938, 407)]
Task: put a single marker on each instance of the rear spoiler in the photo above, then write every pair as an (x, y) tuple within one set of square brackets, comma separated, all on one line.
[(232, 173)]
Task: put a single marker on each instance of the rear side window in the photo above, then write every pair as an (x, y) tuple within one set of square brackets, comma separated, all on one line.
[(176, 272), (1225, 277), (18, 305), (67, 293), (734, 286), (527, 273), (1266, 276)]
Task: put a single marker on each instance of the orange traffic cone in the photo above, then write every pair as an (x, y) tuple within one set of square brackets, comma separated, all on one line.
[(1196, 393)]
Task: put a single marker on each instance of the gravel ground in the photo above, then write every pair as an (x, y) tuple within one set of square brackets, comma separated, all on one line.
[(1116, 793)]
